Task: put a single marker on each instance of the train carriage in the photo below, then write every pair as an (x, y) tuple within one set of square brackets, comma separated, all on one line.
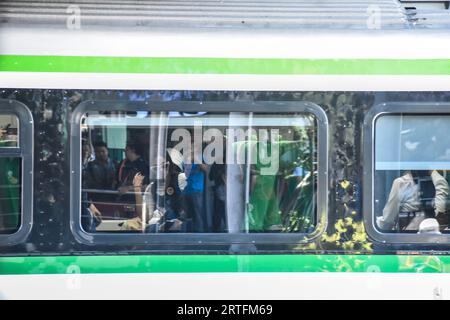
[(235, 149)]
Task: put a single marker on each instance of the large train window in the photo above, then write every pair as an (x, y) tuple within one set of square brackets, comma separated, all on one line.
[(171, 171), (411, 173), (16, 129)]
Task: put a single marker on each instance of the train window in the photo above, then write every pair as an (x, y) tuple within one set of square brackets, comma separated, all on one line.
[(16, 128), (10, 182), (411, 174), (210, 172)]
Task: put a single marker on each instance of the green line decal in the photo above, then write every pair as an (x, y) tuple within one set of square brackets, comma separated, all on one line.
[(142, 65), (224, 263)]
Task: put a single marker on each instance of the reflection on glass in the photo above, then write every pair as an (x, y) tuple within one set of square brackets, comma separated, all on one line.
[(9, 136), (199, 173), (411, 173), (10, 191)]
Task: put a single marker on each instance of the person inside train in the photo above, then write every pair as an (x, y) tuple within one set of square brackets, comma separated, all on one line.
[(87, 155), (414, 197), (193, 194), (101, 173), (132, 164), (9, 195), (158, 203), (264, 214), (218, 175), (8, 135), (91, 217)]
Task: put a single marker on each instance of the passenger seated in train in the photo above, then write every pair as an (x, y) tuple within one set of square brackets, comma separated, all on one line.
[(100, 174), (414, 197), (91, 217)]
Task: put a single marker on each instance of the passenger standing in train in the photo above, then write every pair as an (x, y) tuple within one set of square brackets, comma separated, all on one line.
[(263, 214), (86, 154), (101, 173), (86, 157), (218, 174), (412, 200), (128, 168), (193, 194), (132, 164)]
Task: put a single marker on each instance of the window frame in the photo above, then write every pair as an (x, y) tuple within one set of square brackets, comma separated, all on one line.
[(197, 238), (24, 150), (394, 108)]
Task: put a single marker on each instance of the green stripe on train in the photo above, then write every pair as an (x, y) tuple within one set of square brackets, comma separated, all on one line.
[(142, 65), (223, 263)]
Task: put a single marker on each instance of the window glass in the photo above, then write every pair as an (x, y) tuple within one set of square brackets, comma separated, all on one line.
[(10, 191), (198, 172), (412, 170), (9, 125)]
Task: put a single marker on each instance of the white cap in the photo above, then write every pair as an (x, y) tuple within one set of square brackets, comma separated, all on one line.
[(429, 226)]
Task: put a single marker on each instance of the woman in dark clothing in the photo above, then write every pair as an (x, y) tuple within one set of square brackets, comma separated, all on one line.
[(128, 168)]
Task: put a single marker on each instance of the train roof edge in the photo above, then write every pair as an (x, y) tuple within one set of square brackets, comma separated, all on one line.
[(230, 14)]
